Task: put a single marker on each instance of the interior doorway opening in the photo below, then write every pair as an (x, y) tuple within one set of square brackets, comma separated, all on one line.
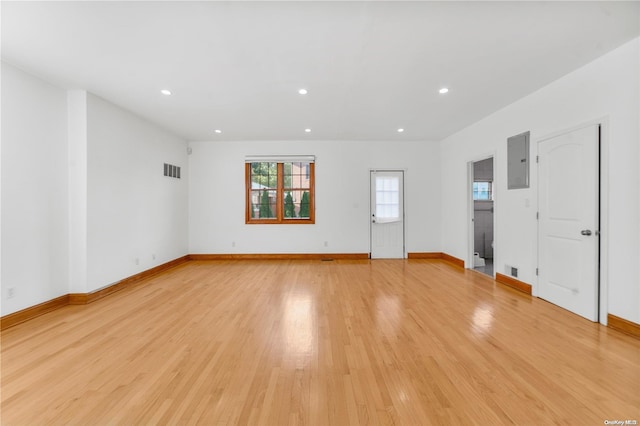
[(482, 193)]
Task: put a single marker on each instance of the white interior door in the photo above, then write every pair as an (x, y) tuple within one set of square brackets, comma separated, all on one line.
[(568, 247), (387, 214)]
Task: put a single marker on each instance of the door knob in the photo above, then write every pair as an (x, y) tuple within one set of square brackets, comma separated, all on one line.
[(586, 232)]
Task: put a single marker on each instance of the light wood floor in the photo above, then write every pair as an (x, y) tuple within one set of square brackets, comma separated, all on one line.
[(323, 343)]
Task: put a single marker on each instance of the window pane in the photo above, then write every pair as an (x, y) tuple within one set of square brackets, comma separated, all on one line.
[(296, 204), (296, 176), (303, 210), (263, 204), (289, 206), (264, 181), (286, 174), (387, 198), (393, 184), (264, 175), (482, 190)]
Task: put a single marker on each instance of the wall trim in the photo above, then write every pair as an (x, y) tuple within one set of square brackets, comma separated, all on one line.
[(437, 255), (425, 255), (513, 283), (623, 325), (33, 312), (280, 256), (85, 298), (451, 259)]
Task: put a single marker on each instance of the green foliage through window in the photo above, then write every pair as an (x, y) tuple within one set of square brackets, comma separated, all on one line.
[(265, 205), (304, 205), (289, 207)]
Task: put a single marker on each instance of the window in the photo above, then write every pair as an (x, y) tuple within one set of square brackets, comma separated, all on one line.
[(280, 190), (483, 191), (387, 199)]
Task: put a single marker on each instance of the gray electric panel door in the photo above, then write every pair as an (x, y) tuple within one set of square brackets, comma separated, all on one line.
[(518, 161)]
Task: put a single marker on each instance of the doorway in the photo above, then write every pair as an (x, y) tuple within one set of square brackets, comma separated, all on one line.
[(482, 199), (387, 214)]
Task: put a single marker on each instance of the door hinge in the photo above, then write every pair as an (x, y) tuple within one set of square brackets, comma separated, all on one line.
[(536, 271), (537, 215), (537, 158)]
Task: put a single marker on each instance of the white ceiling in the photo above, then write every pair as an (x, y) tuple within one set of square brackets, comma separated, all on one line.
[(370, 67)]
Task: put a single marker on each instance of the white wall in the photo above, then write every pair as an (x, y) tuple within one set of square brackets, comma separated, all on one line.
[(34, 190), (134, 212), (217, 199), (606, 89), (83, 193)]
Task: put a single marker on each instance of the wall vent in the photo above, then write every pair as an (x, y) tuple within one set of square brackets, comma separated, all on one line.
[(171, 171), (510, 270)]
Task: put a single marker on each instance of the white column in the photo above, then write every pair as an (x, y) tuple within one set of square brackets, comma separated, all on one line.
[(77, 140)]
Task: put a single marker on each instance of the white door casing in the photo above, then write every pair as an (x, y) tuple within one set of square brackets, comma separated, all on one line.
[(568, 223), (387, 214)]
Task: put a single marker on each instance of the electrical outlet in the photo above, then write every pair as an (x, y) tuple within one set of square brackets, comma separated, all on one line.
[(153, 256), (11, 292), (326, 243), (137, 261), (233, 243)]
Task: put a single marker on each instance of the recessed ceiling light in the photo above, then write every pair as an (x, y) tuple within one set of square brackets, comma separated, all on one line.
[(165, 92), (443, 90), (400, 130), (307, 130), (303, 91), (218, 131)]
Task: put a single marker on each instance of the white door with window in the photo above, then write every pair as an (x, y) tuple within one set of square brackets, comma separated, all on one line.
[(387, 214), (568, 247)]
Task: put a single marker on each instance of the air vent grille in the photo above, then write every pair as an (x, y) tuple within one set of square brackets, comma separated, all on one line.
[(172, 171)]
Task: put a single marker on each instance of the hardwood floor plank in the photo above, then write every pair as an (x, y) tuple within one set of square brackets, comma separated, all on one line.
[(275, 342)]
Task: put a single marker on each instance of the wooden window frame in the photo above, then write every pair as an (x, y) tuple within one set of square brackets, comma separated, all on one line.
[(280, 219)]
